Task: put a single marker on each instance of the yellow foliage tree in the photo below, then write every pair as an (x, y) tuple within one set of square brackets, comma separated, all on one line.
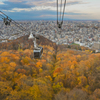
[(38, 64), (4, 60), (13, 64)]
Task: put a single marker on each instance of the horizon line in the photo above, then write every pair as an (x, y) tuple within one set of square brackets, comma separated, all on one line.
[(55, 20)]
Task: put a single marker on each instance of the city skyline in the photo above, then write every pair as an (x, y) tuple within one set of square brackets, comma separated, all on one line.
[(46, 9)]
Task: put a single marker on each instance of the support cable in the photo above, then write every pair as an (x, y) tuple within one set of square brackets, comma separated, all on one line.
[(1, 15), (63, 11), (57, 12), (60, 9), (59, 24)]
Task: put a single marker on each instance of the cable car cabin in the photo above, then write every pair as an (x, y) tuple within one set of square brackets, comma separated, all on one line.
[(38, 53)]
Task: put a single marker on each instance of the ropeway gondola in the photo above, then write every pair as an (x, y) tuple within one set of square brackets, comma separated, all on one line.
[(38, 50)]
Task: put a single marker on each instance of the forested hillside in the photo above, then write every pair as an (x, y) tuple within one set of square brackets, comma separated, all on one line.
[(25, 43), (61, 74)]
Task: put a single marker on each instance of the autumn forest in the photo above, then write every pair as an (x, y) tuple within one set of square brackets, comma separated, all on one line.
[(61, 73)]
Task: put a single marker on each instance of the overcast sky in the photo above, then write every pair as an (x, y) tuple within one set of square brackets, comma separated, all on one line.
[(46, 9)]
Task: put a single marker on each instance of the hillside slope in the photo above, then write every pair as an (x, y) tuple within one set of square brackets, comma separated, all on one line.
[(25, 43), (61, 75)]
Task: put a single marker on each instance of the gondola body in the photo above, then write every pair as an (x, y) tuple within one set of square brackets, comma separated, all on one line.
[(38, 53)]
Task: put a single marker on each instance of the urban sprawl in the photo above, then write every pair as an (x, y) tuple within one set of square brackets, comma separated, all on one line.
[(83, 33)]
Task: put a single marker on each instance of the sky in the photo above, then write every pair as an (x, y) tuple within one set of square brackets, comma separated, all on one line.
[(47, 9)]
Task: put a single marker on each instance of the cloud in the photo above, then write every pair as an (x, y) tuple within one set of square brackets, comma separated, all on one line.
[(44, 3), (39, 8), (10, 5), (73, 13), (31, 15), (36, 2), (37, 14), (51, 3), (17, 0), (66, 16), (54, 2), (43, 9), (1, 3), (74, 2)]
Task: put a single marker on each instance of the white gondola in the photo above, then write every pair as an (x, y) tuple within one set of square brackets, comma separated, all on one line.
[(38, 53)]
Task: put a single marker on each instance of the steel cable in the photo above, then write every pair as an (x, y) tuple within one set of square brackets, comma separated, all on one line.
[(60, 23), (63, 11)]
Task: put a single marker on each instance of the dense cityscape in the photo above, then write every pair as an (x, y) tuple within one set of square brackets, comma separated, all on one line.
[(83, 33)]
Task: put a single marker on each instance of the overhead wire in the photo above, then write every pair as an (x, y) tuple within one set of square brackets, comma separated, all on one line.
[(57, 11), (1, 16), (61, 13), (60, 9)]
